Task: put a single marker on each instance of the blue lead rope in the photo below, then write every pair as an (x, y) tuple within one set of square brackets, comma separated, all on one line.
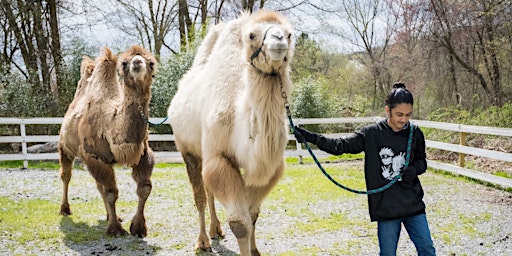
[(371, 191)]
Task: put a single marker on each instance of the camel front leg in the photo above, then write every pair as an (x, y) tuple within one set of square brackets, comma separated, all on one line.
[(142, 175), (106, 183), (254, 248), (102, 193), (257, 195), (225, 182)]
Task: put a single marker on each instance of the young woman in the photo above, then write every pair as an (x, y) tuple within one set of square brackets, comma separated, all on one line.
[(385, 148)]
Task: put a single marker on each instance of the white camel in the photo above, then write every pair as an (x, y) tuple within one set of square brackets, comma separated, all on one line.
[(228, 117)]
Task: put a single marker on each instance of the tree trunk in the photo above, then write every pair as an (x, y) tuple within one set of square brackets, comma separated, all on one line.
[(42, 47), (185, 25)]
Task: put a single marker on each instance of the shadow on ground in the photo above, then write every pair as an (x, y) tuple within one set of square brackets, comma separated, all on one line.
[(86, 239)]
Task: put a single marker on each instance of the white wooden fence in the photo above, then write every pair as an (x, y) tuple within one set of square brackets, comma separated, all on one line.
[(460, 148)]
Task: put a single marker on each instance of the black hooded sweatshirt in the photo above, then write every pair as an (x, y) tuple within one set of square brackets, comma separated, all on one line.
[(385, 152)]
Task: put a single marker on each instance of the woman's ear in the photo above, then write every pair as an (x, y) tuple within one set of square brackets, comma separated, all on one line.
[(387, 109)]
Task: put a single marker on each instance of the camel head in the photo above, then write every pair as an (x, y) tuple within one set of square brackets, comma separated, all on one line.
[(137, 68), (267, 39)]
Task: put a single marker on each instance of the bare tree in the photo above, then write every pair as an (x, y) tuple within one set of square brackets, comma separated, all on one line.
[(469, 34), (371, 33), (31, 30), (406, 49), (148, 21)]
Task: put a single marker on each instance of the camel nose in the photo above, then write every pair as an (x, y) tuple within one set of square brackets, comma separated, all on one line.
[(137, 61), (138, 65), (279, 37)]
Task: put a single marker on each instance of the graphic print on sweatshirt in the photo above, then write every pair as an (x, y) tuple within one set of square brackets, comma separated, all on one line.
[(391, 163)]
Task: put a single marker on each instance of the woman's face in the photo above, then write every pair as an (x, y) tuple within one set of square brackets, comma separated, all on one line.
[(399, 116)]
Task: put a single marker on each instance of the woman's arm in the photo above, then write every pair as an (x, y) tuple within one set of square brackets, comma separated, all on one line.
[(337, 146), (420, 157)]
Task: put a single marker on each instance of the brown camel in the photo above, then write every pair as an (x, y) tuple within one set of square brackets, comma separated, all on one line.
[(106, 125), (228, 117)]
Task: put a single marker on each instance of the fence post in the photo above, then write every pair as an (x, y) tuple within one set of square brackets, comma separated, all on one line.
[(24, 145), (299, 149), (462, 143)]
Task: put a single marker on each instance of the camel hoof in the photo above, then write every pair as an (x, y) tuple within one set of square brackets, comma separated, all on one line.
[(64, 210), (116, 230), (138, 230), (203, 247), (203, 243), (216, 232)]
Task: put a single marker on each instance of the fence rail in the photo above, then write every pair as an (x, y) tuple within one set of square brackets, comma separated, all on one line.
[(462, 149)]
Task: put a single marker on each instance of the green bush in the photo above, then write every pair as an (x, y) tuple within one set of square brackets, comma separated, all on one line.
[(492, 116), (165, 85)]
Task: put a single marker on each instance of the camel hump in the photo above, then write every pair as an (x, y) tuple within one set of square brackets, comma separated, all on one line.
[(106, 63), (86, 70), (86, 67), (206, 47), (108, 55)]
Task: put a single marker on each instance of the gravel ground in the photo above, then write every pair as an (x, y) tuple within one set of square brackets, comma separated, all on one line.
[(452, 205)]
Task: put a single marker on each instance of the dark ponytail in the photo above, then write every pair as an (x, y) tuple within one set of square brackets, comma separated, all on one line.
[(399, 95)]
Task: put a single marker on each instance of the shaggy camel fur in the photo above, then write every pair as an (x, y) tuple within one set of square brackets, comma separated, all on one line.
[(106, 125), (228, 117)]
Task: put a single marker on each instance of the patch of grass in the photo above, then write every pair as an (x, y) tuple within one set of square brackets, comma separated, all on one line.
[(503, 174), (180, 246), (38, 220), (163, 165), (317, 223), (45, 165), (468, 179), (302, 251), (308, 183), (11, 164), (26, 220)]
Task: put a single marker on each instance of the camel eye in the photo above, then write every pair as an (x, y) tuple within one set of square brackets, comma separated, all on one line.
[(125, 63), (252, 36), (289, 35)]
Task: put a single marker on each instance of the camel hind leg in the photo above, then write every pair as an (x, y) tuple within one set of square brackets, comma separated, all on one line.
[(215, 227), (66, 165), (194, 167), (142, 176)]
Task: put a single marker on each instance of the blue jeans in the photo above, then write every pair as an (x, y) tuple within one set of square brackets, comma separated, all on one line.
[(417, 228)]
